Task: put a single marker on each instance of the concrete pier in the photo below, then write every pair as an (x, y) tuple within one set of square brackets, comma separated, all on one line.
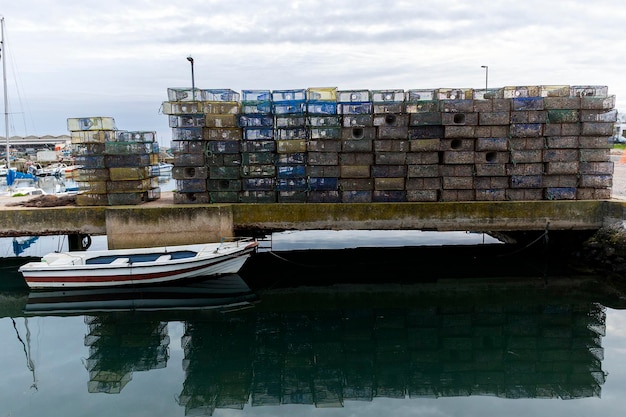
[(164, 223)]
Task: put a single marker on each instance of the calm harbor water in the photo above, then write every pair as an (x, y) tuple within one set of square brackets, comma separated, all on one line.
[(538, 345)]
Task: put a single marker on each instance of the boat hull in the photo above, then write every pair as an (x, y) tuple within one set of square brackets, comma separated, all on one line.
[(40, 275)]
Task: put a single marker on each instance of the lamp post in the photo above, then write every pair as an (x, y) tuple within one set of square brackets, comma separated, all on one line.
[(193, 81), (486, 67)]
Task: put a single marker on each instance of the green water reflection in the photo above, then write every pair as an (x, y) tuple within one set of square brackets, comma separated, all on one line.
[(446, 348)]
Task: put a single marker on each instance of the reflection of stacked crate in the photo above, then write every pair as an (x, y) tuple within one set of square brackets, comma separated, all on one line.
[(116, 351), (418, 348), (221, 108), (323, 146), (290, 133), (217, 364), (390, 146), (357, 135), (117, 167), (258, 170)]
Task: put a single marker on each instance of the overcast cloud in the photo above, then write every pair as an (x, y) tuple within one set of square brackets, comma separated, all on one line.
[(76, 58)]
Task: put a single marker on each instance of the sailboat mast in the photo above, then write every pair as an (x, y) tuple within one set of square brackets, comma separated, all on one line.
[(3, 56)]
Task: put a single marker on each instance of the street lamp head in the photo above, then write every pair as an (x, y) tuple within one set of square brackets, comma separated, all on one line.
[(482, 66), (190, 59)]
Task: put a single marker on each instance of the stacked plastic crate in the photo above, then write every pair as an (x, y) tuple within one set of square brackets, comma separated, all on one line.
[(323, 146), (526, 142), (222, 108), (457, 146), (580, 120), (390, 146), (357, 137), (88, 136), (258, 148), (132, 160), (492, 157), (291, 134), (425, 133), (598, 117), (117, 167), (187, 121)]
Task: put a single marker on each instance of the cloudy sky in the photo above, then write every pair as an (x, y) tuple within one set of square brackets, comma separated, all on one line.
[(78, 58)]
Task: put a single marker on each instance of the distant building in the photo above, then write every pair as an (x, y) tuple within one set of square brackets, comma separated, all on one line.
[(31, 141)]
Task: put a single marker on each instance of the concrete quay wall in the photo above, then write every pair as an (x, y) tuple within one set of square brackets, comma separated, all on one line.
[(163, 223)]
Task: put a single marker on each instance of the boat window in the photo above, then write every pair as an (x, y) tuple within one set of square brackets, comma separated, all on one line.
[(147, 257)]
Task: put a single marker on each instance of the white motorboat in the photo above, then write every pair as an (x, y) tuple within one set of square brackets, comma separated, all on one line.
[(142, 266), (165, 168)]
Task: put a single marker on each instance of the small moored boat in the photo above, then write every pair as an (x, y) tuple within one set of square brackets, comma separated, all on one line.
[(143, 266)]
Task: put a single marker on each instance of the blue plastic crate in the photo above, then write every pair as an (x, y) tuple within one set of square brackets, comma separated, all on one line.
[(289, 107), (291, 171), (323, 184), (291, 184), (321, 107), (527, 103), (256, 95)]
